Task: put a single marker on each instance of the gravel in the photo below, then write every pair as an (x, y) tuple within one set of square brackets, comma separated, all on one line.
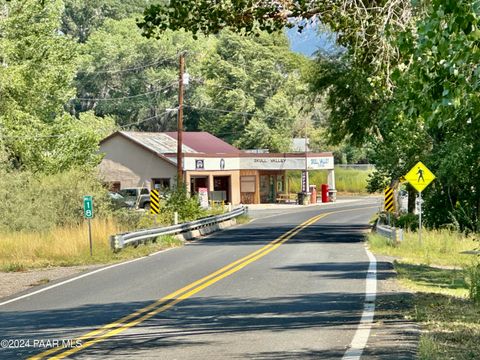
[(16, 282)]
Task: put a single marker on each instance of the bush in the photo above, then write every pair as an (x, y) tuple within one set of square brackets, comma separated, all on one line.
[(187, 207), (38, 202), (473, 279), (407, 221)]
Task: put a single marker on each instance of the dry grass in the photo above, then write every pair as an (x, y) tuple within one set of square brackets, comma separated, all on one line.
[(68, 246)]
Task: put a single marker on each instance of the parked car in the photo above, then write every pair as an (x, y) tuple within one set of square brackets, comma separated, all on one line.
[(138, 197), (119, 201)]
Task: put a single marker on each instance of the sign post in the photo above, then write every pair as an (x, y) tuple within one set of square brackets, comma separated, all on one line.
[(88, 214), (420, 177)]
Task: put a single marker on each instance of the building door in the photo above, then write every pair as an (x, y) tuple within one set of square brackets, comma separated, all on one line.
[(264, 191), (221, 187), (198, 182)]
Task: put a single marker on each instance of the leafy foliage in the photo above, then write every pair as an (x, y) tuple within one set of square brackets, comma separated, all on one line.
[(187, 207), (38, 202), (36, 80)]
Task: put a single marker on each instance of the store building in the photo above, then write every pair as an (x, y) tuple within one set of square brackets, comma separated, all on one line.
[(139, 159)]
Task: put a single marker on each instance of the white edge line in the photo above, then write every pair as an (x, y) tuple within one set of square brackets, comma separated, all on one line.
[(81, 276), (97, 271), (362, 334)]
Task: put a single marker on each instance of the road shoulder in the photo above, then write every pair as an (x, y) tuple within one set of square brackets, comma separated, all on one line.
[(15, 283), (392, 336)]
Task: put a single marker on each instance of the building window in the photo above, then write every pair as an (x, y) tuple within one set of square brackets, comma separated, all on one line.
[(247, 184), (199, 165), (160, 184)]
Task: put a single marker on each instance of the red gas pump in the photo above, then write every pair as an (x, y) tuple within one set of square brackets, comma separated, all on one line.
[(325, 193)]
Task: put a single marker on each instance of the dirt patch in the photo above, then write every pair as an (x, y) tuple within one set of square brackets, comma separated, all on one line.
[(15, 282)]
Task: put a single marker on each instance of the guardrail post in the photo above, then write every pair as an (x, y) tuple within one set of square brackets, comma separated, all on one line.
[(116, 242)]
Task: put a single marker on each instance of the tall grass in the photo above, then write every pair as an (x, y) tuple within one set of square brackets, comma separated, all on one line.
[(438, 247), (346, 180), (68, 245)]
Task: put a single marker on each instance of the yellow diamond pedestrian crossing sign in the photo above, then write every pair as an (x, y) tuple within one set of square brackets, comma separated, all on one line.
[(419, 177)]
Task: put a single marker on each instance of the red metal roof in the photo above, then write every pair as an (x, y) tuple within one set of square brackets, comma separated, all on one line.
[(205, 143)]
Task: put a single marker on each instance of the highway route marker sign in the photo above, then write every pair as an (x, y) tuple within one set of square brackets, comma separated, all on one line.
[(88, 214), (88, 207), (420, 177)]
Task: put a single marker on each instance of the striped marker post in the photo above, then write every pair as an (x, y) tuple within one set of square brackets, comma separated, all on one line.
[(389, 203), (154, 202)]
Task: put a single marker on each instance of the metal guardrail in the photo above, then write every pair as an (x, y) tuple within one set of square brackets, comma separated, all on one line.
[(119, 241), (394, 234)]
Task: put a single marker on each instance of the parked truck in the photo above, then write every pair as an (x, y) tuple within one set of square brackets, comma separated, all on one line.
[(138, 197)]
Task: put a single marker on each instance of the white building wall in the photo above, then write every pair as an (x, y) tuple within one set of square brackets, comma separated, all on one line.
[(132, 165)]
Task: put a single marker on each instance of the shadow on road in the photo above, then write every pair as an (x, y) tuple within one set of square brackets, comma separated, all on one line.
[(317, 233), (193, 322), (204, 320)]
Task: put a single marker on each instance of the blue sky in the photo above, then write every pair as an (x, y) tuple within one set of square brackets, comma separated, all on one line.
[(310, 40)]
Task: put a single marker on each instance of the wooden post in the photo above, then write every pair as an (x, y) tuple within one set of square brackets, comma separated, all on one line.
[(180, 122)]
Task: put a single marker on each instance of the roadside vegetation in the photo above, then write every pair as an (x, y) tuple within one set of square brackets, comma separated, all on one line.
[(446, 285), (351, 181), (42, 222), (69, 245)]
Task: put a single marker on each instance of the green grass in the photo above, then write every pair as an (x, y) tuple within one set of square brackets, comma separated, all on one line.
[(451, 327), (450, 321), (424, 278), (439, 247), (243, 219), (346, 180)]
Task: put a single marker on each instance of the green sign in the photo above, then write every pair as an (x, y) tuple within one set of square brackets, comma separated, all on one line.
[(88, 207)]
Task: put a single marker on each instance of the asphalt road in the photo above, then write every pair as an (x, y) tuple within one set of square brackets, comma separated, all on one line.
[(275, 296)]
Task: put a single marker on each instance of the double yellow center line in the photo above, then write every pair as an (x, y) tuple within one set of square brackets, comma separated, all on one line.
[(165, 303)]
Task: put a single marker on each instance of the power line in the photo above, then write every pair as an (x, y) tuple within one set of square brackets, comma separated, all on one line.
[(73, 134), (115, 71), (220, 110), (126, 97), (238, 88), (145, 120)]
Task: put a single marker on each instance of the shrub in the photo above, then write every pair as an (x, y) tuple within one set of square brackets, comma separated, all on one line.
[(39, 202), (473, 279), (187, 207), (407, 221)]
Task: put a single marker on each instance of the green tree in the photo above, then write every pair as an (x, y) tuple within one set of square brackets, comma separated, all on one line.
[(255, 90), (82, 17), (132, 78), (36, 80)]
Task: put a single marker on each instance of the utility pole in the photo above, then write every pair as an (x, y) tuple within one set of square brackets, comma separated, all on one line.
[(306, 158), (180, 122)]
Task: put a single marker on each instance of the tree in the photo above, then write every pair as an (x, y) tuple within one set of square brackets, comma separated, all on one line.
[(253, 87), (82, 17), (132, 78), (36, 80)]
